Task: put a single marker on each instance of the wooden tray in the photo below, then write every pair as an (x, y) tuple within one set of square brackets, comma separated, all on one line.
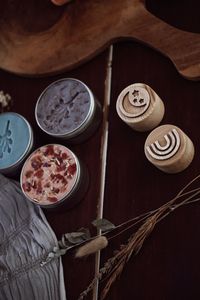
[(38, 38)]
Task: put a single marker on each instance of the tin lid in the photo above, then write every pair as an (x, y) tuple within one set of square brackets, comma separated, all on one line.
[(64, 108), (50, 174), (15, 139)]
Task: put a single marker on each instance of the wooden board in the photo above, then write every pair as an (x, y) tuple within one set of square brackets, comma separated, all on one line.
[(38, 38)]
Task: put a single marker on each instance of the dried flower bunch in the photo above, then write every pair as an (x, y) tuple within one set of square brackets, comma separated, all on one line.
[(82, 239), (142, 226), (5, 101), (114, 266)]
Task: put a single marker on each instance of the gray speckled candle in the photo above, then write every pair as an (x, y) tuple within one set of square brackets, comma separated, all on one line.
[(65, 108)]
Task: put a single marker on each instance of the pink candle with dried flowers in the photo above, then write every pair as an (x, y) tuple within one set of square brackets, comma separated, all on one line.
[(50, 175)]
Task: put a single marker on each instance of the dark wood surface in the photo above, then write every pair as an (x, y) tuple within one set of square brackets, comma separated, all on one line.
[(167, 267)]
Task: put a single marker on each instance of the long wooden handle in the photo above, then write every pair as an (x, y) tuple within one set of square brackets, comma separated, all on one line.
[(180, 46)]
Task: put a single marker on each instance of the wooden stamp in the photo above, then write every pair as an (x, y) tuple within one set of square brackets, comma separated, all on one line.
[(169, 149), (140, 107)]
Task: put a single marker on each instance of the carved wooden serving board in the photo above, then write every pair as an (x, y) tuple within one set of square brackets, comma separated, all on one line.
[(38, 38)]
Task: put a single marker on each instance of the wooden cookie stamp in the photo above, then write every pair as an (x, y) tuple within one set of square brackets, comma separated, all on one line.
[(169, 149), (140, 107)]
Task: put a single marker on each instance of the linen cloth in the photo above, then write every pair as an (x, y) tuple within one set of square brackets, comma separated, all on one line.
[(26, 239)]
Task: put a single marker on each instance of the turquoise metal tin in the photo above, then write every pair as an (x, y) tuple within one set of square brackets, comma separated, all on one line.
[(16, 141)]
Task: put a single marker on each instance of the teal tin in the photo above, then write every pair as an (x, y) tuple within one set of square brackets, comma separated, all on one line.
[(16, 142)]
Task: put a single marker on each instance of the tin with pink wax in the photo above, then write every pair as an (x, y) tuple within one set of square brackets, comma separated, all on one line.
[(53, 175)]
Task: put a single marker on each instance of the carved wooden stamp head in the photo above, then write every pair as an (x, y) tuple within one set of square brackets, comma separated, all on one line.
[(140, 107), (169, 149)]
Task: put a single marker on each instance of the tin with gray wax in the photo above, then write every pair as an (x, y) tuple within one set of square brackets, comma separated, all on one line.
[(67, 109)]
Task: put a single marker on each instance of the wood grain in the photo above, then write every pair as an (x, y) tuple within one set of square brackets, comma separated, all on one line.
[(63, 37)]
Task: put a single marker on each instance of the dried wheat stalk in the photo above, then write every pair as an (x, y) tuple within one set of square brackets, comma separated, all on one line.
[(115, 265)]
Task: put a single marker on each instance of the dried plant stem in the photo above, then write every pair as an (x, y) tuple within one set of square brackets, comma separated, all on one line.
[(115, 265), (189, 184), (137, 220)]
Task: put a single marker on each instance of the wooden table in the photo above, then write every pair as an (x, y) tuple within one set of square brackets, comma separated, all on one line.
[(168, 265)]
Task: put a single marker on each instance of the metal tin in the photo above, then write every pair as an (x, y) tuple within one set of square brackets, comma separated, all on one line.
[(53, 175), (16, 142), (67, 109)]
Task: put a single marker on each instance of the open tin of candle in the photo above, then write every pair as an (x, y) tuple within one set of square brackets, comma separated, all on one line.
[(16, 142), (53, 175), (67, 109)]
